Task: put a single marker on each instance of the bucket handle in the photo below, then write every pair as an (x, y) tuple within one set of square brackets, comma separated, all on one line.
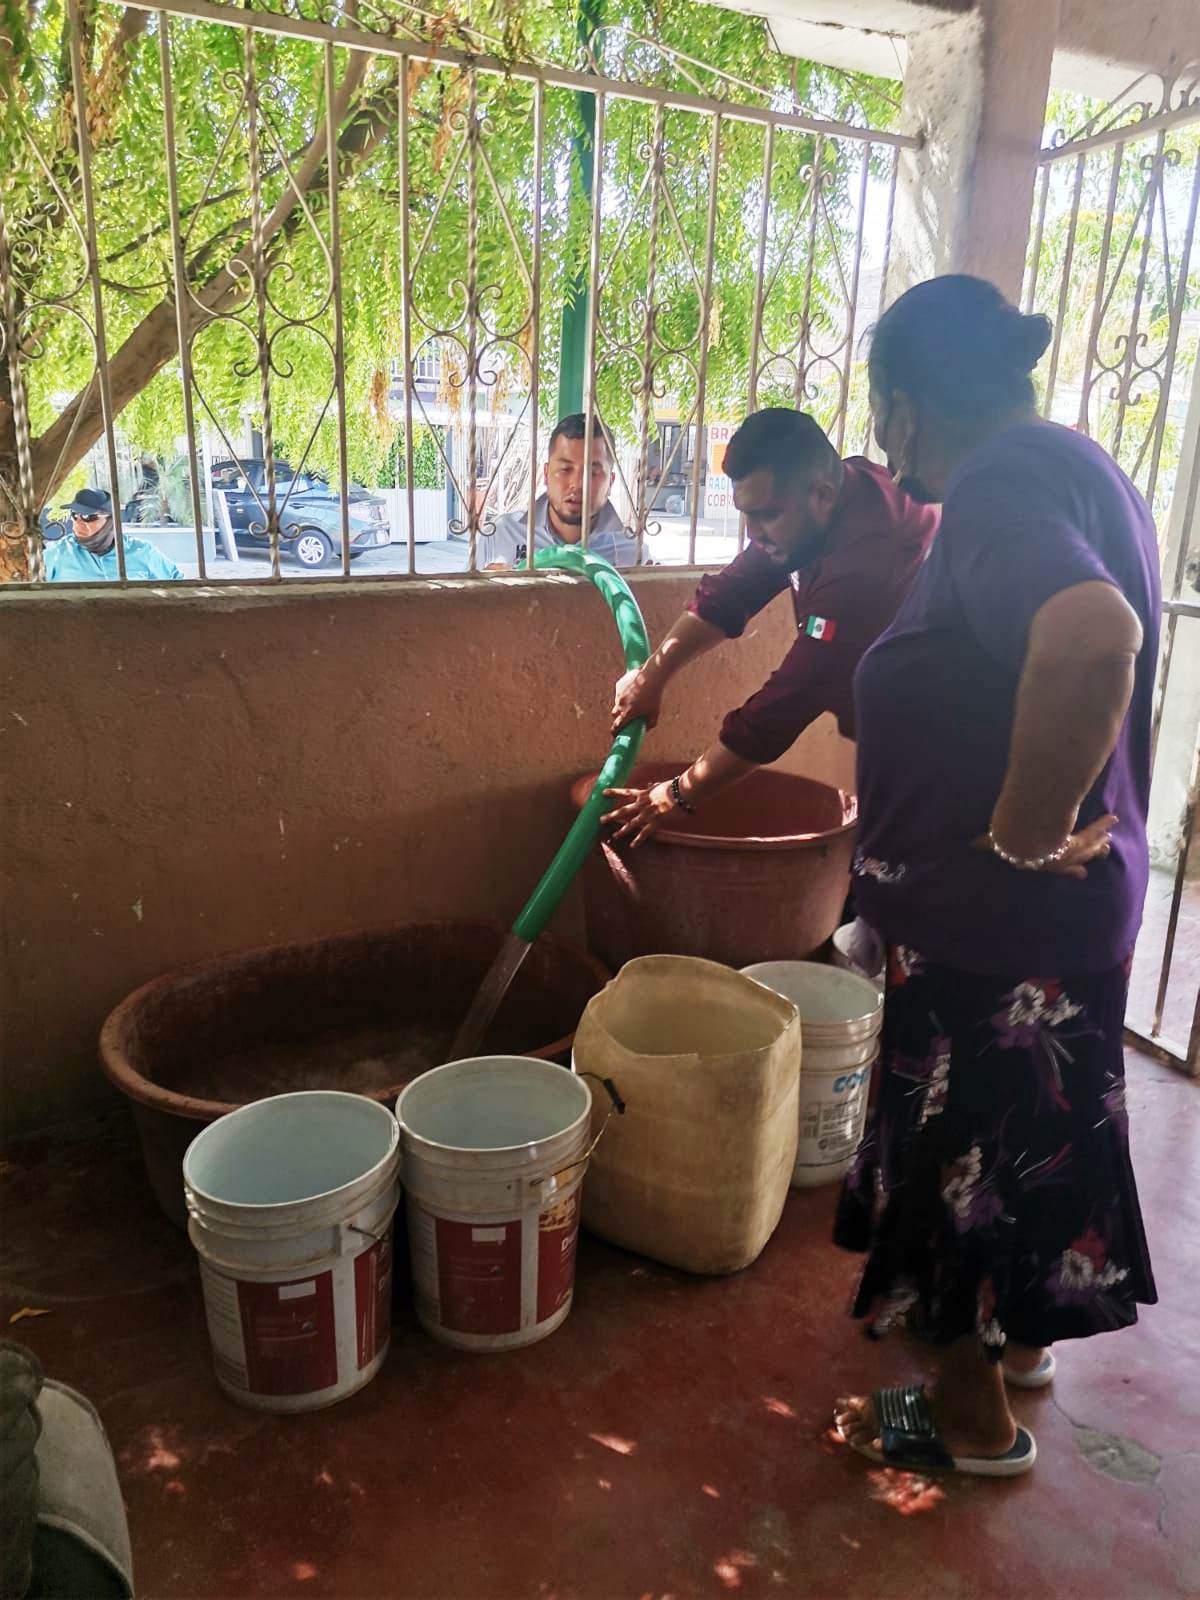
[(618, 1105), (353, 1227)]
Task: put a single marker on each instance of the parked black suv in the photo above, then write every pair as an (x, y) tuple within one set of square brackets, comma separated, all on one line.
[(310, 513)]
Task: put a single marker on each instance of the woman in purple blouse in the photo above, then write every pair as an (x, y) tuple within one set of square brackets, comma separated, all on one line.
[(1004, 769)]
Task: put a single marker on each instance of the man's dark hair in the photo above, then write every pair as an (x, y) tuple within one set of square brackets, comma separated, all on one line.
[(785, 441), (575, 427)]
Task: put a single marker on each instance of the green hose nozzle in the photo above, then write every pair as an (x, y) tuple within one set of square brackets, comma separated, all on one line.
[(635, 642)]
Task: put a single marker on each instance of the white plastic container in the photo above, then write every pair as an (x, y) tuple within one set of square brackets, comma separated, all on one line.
[(290, 1205), (840, 1018), (493, 1153), (855, 952)]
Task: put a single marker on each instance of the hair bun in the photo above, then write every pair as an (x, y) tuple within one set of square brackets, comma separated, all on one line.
[(1017, 341), (1031, 336)]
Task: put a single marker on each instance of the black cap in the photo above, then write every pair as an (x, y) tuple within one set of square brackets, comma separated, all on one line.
[(89, 502)]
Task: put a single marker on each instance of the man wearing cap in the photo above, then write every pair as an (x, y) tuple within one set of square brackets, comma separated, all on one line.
[(88, 554)]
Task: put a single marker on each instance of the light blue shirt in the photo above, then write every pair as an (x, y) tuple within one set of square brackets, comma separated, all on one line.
[(68, 562), (508, 541)]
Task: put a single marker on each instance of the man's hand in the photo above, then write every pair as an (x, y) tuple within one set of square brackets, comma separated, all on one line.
[(638, 694), (640, 813)]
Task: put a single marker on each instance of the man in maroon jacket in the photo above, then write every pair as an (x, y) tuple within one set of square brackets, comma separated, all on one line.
[(846, 540)]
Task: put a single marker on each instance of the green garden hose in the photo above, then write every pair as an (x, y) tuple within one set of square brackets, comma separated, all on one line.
[(635, 642)]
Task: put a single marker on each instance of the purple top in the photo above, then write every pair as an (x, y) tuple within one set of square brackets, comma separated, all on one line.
[(1034, 511)]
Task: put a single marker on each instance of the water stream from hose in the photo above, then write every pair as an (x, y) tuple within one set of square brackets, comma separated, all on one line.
[(488, 997)]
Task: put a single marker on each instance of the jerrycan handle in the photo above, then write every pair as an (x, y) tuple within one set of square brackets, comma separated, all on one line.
[(618, 1105)]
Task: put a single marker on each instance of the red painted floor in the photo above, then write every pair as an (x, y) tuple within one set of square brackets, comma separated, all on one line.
[(667, 1441)]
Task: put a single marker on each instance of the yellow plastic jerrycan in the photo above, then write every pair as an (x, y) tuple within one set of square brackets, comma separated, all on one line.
[(707, 1062)]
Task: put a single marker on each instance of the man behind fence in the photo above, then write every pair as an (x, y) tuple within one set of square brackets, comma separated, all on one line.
[(558, 513), (88, 554)]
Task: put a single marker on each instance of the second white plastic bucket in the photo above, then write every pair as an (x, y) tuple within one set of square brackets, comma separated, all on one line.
[(493, 1153), (840, 1017), (852, 953), (290, 1203)]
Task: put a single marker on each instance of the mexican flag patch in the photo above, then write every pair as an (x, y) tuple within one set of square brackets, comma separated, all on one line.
[(820, 627)]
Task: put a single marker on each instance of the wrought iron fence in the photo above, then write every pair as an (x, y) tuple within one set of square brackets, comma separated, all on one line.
[(725, 248), (1114, 260)]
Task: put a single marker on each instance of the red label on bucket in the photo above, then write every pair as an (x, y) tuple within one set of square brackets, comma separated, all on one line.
[(373, 1299), (479, 1276), (558, 1234), (290, 1335)]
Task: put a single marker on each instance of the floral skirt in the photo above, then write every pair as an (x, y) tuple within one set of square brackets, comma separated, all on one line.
[(993, 1189)]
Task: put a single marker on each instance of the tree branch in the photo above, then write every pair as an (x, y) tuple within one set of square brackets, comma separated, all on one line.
[(153, 343), (217, 199), (102, 97), (105, 89)]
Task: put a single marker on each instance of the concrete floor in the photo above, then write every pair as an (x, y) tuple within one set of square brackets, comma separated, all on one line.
[(669, 1440)]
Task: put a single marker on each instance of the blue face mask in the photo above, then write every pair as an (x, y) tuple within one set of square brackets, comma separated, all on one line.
[(916, 489), (911, 482)]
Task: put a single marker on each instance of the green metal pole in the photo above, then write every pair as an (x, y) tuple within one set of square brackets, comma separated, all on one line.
[(573, 343)]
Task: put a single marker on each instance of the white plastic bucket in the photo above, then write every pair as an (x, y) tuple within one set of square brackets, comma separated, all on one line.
[(290, 1204), (493, 1152), (840, 1017), (849, 952)]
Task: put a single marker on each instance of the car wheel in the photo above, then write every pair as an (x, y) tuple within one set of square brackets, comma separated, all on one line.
[(312, 549)]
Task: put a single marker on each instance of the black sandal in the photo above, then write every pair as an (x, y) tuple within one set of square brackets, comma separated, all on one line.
[(911, 1441)]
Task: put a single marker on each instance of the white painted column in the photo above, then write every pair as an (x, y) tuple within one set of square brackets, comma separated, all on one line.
[(977, 86)]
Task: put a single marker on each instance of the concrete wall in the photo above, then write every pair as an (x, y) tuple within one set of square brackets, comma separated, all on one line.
[(187, 774), (977, 86)]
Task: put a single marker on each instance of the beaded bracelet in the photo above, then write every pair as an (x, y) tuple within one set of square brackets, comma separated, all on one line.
[(1027, 863), (677, 796)]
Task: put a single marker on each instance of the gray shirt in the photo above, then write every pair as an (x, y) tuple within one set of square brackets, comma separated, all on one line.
[(508, 540)]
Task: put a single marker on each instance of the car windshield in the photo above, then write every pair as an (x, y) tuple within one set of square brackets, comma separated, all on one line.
[(321, 484)]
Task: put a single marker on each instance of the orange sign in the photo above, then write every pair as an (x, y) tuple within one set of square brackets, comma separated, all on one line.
[(719, 435)]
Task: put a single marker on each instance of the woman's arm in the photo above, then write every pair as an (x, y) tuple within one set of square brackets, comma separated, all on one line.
[(1075, 689)]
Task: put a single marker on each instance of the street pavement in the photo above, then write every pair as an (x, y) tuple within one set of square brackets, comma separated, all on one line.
[(714, 547)]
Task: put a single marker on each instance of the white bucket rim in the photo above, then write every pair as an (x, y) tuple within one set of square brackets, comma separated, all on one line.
[(872, 998), (659, 969), (211, 1235), (492, 1152), (382, 1170), (845, 961)]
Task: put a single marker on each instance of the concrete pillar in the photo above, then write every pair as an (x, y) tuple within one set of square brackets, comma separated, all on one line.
[(977, 86)]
